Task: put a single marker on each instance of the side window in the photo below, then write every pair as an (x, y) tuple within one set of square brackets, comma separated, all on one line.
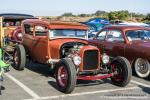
[(40, 31), (134, 35), (102, 35), (28, 29), (114, 35)]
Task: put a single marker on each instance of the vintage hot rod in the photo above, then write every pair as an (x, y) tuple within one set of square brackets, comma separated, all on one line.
[(64, 47)]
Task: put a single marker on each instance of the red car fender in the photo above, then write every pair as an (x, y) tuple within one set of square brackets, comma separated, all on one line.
[(15, 33)]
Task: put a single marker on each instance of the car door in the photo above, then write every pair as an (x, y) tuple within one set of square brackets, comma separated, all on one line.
[(28, 37), (113, 43), (40, 43)]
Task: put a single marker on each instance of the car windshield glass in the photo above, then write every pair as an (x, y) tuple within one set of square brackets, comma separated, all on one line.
[(138, 34), (68, 33)]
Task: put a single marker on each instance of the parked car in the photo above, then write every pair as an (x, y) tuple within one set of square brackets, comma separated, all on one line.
[(148, 23), (63, 46), (10, 23), (129, 42), (134, 24)]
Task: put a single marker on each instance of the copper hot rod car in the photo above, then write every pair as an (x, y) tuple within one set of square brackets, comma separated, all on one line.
[(64, 47)]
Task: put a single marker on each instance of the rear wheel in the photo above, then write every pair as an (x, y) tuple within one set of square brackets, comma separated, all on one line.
[(66, 75), (19, 57), (142, 68), (122, 71)]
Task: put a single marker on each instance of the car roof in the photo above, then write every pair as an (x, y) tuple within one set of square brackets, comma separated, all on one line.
[(16, 16), (126, 27), (56, 24)]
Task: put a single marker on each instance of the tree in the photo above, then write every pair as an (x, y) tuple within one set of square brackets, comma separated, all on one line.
[(68, 14), (147, 17), (112, 15), (100, 13), (119, 15)]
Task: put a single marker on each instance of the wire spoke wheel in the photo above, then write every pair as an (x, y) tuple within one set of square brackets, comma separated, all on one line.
[(142, 68)]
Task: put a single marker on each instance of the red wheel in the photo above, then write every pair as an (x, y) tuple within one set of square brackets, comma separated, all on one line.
[(122, 71), (118, 72), (66, 75), (19, 57), (62, 76), (16, 58)]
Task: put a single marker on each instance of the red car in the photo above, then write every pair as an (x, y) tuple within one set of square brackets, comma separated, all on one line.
[(127, 41)]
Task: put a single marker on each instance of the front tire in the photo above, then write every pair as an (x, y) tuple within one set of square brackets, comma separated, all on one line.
[(122, 71), (66, 75), (142, 68), (19, 57)]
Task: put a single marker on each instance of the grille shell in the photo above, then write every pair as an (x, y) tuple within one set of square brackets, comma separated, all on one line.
[(90, 60)]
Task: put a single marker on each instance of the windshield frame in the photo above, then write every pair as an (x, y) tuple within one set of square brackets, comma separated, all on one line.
[(50, 35)]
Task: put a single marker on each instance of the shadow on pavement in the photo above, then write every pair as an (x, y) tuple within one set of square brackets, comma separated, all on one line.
[(81, 83), (90, 83), (42, 69), (145, 89), (53, 84)]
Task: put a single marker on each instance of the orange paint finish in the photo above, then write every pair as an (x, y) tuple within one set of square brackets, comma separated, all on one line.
[(55, 45), (43, 48), (67, 27)]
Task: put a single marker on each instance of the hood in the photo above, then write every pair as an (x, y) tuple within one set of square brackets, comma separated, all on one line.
[(55, 45)]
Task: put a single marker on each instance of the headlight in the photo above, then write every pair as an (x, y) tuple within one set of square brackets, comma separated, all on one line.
[(77, 60), (19, 34), (105, 58)]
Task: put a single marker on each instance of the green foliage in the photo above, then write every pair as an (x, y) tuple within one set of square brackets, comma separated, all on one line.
[(118, 15), (147, 17), (114, 15), (68, 14), (84, 15), (100, 13)]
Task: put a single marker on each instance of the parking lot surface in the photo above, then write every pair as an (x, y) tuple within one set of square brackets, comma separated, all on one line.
[(36, 83)]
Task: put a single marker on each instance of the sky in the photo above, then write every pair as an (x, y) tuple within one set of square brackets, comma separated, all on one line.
[(58, 7)]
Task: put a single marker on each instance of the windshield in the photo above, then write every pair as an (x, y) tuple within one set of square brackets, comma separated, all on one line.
[(138, 34), (67, 33)]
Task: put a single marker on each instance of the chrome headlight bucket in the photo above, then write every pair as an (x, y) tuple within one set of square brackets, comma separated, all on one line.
[(105, 58), (20, 35), (77, 60)]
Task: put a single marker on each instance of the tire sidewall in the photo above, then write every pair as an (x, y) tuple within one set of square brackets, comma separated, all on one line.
[(71, 71), (138, 73), (21, 56), (127, 71)]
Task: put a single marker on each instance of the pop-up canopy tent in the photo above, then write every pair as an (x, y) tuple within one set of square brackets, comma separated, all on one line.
[(97, 24)]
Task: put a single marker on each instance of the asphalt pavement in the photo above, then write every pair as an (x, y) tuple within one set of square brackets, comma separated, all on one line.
[(35, 82)]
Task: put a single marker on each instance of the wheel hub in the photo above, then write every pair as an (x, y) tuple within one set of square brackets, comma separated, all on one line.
[(16, 58), (62, 76), (142, 67)]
